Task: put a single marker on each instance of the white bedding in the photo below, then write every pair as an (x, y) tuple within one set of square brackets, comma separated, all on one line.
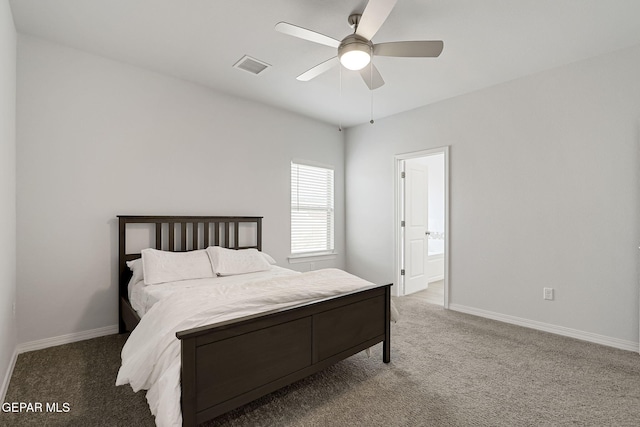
[(142, 296), (151, 355)]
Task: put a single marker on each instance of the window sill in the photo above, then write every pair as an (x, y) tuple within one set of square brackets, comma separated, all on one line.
[(311, 257)]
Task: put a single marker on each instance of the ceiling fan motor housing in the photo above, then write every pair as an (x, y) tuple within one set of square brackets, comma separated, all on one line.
[(354, 42)]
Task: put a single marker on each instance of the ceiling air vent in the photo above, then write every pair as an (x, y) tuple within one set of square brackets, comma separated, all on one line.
[(251, 65)]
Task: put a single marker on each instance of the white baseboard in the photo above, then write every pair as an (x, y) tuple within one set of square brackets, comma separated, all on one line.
[(51, 342), (66, 339), (7, 376), (554, 329)]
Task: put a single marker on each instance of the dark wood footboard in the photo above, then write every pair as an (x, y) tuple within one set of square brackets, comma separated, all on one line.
[(229, 364)]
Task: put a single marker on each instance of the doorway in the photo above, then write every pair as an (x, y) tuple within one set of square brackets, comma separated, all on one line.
[(422, 235)]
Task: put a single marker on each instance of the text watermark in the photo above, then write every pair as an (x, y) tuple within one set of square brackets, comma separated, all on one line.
[(18, 407)]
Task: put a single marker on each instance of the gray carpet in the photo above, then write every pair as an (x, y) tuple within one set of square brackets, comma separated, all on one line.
[(447, 369)]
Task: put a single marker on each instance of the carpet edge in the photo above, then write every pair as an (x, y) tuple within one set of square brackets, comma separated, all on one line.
[(547, 327)]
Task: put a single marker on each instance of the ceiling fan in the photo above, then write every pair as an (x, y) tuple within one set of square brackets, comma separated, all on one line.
[(356, 50)]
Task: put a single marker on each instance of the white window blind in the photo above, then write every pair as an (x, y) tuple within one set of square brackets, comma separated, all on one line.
[(312, 213)]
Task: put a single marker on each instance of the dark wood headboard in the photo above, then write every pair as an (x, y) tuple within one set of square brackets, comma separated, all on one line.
[(185, 233)]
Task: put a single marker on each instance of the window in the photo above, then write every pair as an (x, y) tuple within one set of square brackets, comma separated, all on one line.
[(312, 213)]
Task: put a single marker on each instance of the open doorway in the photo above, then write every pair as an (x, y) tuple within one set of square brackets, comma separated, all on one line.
[(422, 206)]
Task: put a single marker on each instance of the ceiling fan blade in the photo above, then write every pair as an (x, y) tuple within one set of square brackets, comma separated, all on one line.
[(318, 69), (303, 33), (371, 77), (373, 17), (421, 49)]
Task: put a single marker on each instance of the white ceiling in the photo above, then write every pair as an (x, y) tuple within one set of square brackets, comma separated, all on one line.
[(485, 42)]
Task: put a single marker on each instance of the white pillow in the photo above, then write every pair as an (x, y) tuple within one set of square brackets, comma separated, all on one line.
[(226, 262), (136, 267), (268, 257), (165, 266)]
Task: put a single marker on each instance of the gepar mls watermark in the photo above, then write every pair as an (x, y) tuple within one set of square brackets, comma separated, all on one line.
[(18, 407)]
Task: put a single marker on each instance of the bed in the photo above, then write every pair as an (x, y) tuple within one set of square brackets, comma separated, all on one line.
[(227, 364)]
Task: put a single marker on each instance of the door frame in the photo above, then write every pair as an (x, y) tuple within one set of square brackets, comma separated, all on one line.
[(398, 211)]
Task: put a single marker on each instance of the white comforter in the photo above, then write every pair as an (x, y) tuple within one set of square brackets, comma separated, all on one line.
[(151, 355), (143, 297)]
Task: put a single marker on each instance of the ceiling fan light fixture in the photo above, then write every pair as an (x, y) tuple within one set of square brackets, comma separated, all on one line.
[(355, 59), (354, 53)]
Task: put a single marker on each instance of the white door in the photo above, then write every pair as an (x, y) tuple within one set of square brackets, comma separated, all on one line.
[(416, 196)]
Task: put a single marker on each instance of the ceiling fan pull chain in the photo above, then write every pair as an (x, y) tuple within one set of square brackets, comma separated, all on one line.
[(371, 82), (371, 121), (341, 102)]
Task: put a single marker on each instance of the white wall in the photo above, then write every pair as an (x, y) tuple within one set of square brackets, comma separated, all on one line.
[(7, 192), (544, 193), (98, 138)]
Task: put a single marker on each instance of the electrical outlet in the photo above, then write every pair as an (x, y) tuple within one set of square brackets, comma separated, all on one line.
[(14, 309), (548, 293), (312, 266)]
